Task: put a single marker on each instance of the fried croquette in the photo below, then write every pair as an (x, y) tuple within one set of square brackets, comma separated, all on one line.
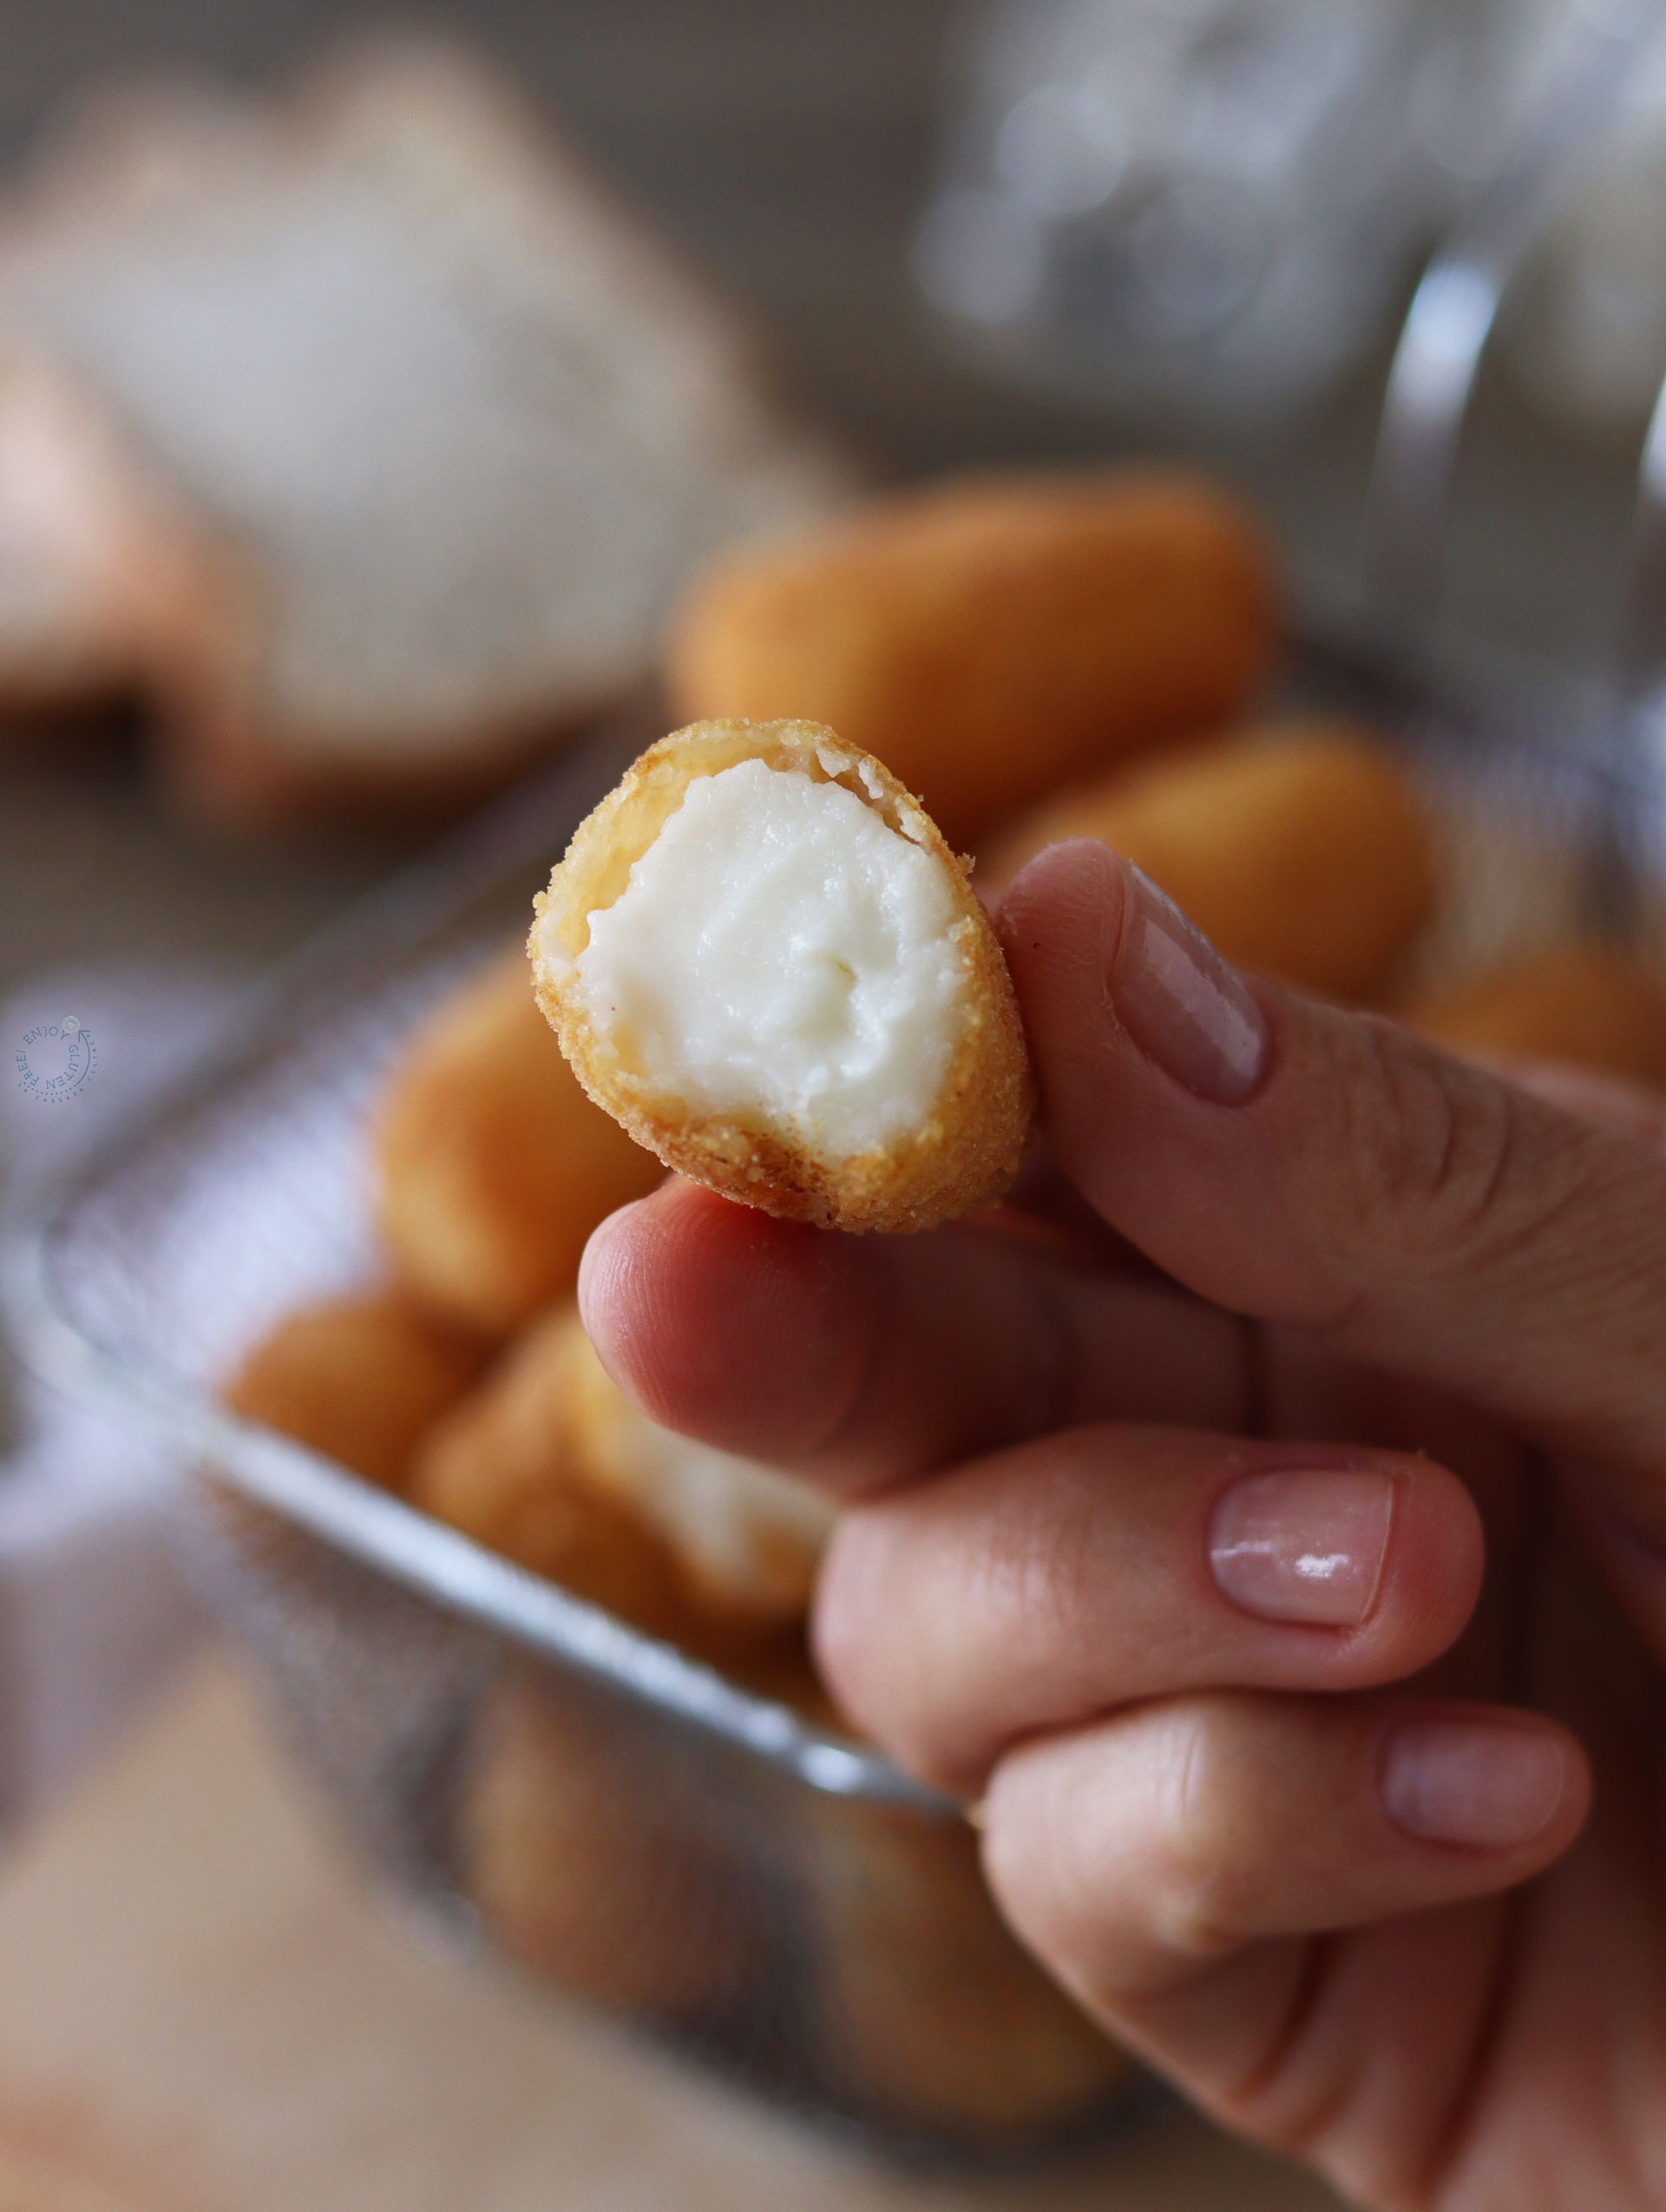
[(747, 1538), (760, 955), (989, 638), (501, 1467), (492, 1167), (549, 1463), (1583, 1003), (360, 1380), (583, 1850), (1298, 848), (931, 2012)]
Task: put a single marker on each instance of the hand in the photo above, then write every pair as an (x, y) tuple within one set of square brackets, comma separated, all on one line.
[(1266, 1517)]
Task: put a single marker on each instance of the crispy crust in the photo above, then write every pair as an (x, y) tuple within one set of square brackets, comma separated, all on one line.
[(1589, 1005), (543, 1462), (491, 1165), (967, 1152), (592, 1866), (991, 636), (932, 2013), (359, 1379), (1301, 847)]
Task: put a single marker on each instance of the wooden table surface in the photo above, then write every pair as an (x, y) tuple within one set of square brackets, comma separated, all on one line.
[(203, 2009)]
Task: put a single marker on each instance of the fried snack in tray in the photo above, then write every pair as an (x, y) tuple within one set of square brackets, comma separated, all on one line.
[(491, 1165), (762, 958), (358, 1379), (990, 637), (929, 2009), (582, 1848), (1299, 847), (585, 1833), (549, 1463), (747, 1538), (595, 1852), (1590, 1005)]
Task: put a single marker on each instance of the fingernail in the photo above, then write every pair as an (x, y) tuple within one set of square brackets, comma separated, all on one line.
[(1306, 1543), (1476, 1782), (1181, 1003)]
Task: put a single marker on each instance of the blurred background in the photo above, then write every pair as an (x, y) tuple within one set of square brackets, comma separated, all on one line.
[(1046, 229)]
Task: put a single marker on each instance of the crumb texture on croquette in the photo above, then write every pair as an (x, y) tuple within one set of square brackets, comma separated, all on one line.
[(491, 1167), (760, 956), (991, 636), (747, 1538), (1300, 846), (548, 1462), (359, 1379), (1589, 1005)]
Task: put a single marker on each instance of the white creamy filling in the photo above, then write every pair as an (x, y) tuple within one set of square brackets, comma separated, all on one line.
[(780, 953), (749, 1533)]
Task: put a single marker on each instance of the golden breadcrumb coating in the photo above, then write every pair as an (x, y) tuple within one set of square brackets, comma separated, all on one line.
[(491, 1165), (1590, 1005), (936, 2014), (1298, 847), (990, 637), (967, 1148), (503, 1467), (548, 1462), (585, 1854), (358, 1379)]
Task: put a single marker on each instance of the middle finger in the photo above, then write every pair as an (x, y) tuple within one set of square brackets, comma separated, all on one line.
[(1110, 1565)]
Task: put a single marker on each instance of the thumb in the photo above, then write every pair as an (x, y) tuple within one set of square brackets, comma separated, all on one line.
[(1296, 1163)]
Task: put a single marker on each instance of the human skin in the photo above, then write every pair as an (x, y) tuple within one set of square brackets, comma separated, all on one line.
[(1268, 1522)]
